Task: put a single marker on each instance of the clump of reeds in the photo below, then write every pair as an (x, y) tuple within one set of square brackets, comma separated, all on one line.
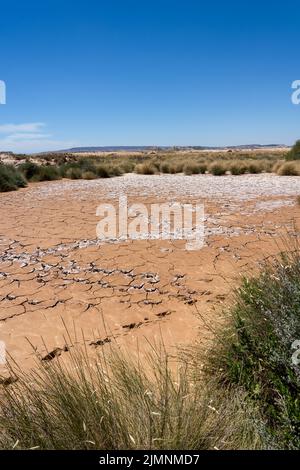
[(289, 169), (88, 175), (237, 167), (194, 168), (146, 168), (113, 402), (34, 172), (217, 168)]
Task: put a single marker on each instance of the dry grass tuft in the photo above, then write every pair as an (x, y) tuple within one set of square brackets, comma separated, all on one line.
[(146, 169), (217, 169), (112, 403), (289, 169)]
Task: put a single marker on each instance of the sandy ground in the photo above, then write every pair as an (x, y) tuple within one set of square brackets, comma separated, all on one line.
[(54, 273)]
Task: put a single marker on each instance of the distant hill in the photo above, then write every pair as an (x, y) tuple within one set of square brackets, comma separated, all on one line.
[(140, 148)]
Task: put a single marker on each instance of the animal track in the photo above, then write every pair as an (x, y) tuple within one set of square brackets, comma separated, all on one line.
[(55, 353), (100, 342)]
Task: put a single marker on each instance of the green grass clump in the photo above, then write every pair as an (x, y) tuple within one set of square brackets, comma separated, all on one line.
[(217, 169), (115, 170), (88, 169), (73, 173), (102, 171), (256, 352), (34, 172), (192, 168), (10, 178), (240, 167), (30, 170), (127, 166), (171, 167), (167, 168), (254, 168), (237, 168), (86, 164), (47, 173)]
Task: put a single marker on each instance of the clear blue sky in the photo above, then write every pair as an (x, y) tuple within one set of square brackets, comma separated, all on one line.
[(148, 73)]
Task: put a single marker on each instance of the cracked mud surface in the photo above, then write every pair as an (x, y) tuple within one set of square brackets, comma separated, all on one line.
[(54, 273)]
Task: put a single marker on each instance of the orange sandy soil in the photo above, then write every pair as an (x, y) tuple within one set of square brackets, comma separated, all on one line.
[(55, 274)]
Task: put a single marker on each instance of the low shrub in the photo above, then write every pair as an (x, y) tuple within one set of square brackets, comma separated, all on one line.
[(115, 170), (102, 171), (74, 173), (30, 170), (127, 167), (10, 178), (294, 153), (86, 164), (47, 173), (256, 351)]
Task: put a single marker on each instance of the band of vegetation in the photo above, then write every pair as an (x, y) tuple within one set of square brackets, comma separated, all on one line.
[(49, 167)]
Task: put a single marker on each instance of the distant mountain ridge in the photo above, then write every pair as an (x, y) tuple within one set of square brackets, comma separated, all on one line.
[(139, 148)]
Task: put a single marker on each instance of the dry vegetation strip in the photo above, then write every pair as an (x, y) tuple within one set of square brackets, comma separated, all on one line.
[(47, 167)]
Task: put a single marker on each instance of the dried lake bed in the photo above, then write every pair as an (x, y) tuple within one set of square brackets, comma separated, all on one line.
[(54, 272)]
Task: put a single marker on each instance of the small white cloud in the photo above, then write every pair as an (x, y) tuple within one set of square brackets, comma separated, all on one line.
[(24, 136), (35, 146), (26, 127), (27, 138)]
